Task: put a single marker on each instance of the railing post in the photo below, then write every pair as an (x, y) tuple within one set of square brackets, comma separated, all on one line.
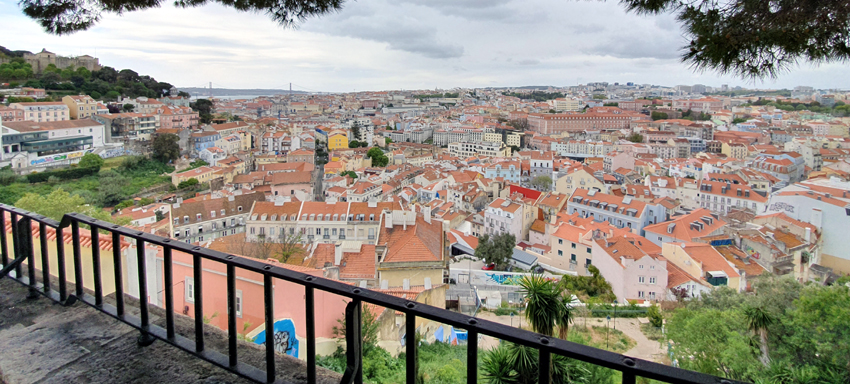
[(545, 366), (25, 235), (4, 246), (169, 292), (78, 263), (96, 272), (145, 338), (268, 300), (628, 378), (45, 257), (231, 315), (353, 344), (118, 271), (410, 346), (472, 357), (199, 302), (16, 243), (309, 302), (60, 265)]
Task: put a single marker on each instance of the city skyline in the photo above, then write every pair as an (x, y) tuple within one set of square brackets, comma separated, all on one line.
[(376, 45)]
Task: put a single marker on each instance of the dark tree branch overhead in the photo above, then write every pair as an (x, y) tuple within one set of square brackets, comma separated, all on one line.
[(63, 17), (748, 38), (757, 38)]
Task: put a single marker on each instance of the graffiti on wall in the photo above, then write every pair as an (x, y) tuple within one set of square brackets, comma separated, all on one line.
[(781, 207), (284, 338), (510, 279), (752, 253)]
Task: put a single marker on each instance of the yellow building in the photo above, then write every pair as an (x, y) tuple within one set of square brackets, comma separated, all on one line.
[(202, 174), (734, 151), (80, 107), (337, 140)]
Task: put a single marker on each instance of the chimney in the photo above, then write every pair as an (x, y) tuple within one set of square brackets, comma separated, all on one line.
[(406, 284), (337, 254), (388, 219), (808, 234), (426, 213), (385, 284), (231, 198), (427, 283), (404, 220)]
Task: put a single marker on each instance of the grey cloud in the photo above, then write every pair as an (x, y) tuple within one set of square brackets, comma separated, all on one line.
[(483, 10), (529, 62), (400, 31)]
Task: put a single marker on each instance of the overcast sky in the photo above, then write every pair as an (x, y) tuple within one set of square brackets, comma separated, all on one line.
[(399, 44)]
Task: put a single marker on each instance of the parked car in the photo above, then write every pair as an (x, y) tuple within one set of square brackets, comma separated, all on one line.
[(489, 267)]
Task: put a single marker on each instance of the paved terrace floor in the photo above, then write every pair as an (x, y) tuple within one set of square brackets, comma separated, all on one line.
[(44, 342)]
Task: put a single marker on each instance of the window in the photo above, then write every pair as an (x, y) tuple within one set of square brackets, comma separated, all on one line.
[(185, 219), (200, 229), (212, 214), (652, 295), (190, 290), (640, 294), (652, 280), (198, 217), (252, 230), (572, 258), (588, 249), (640, 279), (239, 208), (640, 266), (561, 241), (586, 261), (560, 253), (651, 267), (238, 303), (573, 245)]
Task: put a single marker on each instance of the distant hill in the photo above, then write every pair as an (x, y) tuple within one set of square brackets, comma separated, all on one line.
[(8, 53), (238, 92)]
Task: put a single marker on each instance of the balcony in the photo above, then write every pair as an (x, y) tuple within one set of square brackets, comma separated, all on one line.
[(210, 351)]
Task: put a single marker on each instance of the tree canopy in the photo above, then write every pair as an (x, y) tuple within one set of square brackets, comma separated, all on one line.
[(756, 38), (379, 159), (58, 203), (66, 17), (496, 249), (165, 147), (782, 332)]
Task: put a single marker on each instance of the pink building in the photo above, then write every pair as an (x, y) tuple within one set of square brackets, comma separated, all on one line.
[(292, 184), (8, 114), (177, 117), (634, 267), (250, 310)]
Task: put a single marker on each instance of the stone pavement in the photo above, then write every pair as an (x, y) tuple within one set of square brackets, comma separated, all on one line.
[(44, 342)]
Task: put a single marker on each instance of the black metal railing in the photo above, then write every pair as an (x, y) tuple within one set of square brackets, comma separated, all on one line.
[(21, 224)]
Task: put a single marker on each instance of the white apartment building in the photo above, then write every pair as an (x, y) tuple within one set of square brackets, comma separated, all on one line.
[(467, 149), (621, 212)]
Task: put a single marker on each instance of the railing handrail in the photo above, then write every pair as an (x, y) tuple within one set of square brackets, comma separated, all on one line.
[(631, 367)]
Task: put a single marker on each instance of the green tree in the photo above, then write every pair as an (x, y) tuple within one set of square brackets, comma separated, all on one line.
[(204, 107), (110, 190), (542, 182), (166, 147), (188, 183), (654, 315), (91, 160), (128, 107), (496, 249), (379, 159), (636, 138), (739, 120), (58, 203), (655, 115), (757, 321)]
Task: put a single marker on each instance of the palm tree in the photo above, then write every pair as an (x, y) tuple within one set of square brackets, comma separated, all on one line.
[(544, 303), (565, 317), (757, 321)]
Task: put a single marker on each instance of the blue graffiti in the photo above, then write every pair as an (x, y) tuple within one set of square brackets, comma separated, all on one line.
[(284, 338)]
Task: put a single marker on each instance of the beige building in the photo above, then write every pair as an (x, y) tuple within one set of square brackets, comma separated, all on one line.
[(202, 174), (734, 150), (43, 111), (80, 107), (578, 178), (41, 60)]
